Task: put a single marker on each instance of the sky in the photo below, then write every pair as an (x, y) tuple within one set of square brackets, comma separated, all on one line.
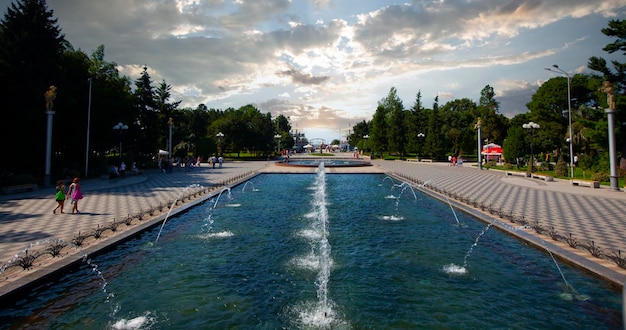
[(325, 64)]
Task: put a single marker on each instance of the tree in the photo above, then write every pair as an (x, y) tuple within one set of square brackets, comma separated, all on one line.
[(31, 50), (514, 147), (433, 141), (378, 135), (617, 30), (146, 120), (394, 118)]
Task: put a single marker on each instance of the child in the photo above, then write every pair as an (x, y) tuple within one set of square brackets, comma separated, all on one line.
[(75, 194), (59, 196)]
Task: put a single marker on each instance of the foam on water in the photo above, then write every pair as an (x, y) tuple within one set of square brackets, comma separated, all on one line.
[(391, 217), (454, 269)]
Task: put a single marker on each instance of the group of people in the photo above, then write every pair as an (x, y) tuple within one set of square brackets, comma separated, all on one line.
[(74, 192), (167, 165), (120, 172)]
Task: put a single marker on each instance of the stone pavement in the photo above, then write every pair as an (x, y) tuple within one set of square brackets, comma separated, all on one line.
[(27, 218), (585, 213)]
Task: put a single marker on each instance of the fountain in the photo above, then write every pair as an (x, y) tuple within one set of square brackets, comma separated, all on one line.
[(172, 207), (276, 269), (246, 184)]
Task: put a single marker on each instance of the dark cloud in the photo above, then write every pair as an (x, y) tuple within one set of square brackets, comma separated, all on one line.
[(303, 78)]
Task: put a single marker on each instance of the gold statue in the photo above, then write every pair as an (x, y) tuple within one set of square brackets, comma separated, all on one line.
[(479, 123), (50, 95), (607, 88)]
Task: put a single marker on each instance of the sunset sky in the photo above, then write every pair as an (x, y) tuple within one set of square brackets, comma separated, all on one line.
[(325, 64)]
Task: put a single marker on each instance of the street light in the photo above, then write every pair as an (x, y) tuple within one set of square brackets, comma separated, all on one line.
[(366, 136), (220, 137), (531, 127), (420, 137), (170, 123), (120, 128), (277, 137), (569, 109), (88, 128)]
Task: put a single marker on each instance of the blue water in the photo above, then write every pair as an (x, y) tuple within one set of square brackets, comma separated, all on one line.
[(251, 260)]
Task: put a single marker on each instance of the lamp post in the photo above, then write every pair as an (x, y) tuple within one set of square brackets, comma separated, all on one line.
[(88, 127), (277, 137), (170, 123), (120, 128), (531, 127), (49, 95), (420, 137), (478, 128), (220, 137), (366, 137), (569, 110), (610, 113)]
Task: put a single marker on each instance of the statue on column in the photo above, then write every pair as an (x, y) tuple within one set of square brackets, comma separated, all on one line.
[(50, 95), (479, 123), (607, 88)]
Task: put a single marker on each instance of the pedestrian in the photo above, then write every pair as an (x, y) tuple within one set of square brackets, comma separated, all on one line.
[(75, 194), (134, 169), (123, 170), (213, 160), (221, 161), (59, 196)]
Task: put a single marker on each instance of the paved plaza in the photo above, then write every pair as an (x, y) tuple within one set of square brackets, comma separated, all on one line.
[(587, 214)]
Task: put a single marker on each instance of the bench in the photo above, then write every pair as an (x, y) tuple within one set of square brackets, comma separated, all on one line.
[(19, 188), (412, 160), (542, 177), (586, 183), (426, 160), (524, 174)]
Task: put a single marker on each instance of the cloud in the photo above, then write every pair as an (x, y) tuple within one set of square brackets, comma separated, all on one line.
[(328, 62)]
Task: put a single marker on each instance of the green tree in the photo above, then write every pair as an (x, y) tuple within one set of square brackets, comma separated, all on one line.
[(378, 135), (396, 130), (146, 120), (434, 139), (31, 53), (616, 30), (514, 146)]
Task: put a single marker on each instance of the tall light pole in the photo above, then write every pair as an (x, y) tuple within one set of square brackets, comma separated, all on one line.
[(170, 123), (610, 113), (478, 127), (531, 127), (569, 110), (49, 95), (88, 127), (120, 128), (277, 137), (420, 137), (220, 137)]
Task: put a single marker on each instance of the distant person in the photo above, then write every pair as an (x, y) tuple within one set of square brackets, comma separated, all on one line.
[(213, 160), (59, 196), (134, 169), (75, 194), (221, 161), (123, 170)]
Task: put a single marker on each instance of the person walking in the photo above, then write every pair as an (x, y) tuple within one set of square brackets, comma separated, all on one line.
[(59, 196), (75, 194), (123, 170)]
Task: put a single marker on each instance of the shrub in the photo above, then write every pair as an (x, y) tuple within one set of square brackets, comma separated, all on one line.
[(508, 166), (561, 168), (601, 177)]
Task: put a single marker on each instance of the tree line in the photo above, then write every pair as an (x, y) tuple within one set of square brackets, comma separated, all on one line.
[(92, 98), (450, 129)]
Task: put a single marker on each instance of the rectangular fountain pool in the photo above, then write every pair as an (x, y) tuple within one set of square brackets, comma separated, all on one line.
[(321, 251)]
